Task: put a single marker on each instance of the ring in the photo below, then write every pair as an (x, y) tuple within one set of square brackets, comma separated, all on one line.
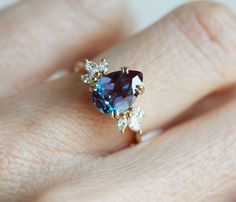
[(114, 93)]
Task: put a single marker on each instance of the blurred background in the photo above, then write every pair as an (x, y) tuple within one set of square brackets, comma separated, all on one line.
[(146, 12)]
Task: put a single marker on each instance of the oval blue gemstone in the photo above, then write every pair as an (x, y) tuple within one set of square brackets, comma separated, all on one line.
[(116, 91)]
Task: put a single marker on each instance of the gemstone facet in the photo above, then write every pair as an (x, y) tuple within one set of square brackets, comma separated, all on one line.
[(117, 91)]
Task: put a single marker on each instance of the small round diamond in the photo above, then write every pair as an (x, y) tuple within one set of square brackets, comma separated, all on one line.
[(104, 66)]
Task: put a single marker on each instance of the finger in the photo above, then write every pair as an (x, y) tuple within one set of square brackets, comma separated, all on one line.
[(45, 137), (205, 105), (39, 37), (174, 80), (195, 161), (184, 57)]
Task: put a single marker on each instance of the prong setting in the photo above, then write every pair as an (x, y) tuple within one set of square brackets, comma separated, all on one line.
[(115, 114), (139, 90), (125, 70)]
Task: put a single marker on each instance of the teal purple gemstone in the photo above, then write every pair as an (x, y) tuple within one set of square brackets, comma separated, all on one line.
[(116, 91)]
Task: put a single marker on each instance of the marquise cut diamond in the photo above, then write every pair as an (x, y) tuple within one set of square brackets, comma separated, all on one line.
[(86, 78), (104, 66), (89, 65), (122, 124), (134, 123)]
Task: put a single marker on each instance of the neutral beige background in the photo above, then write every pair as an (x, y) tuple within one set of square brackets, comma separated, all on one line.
[(146, 12)]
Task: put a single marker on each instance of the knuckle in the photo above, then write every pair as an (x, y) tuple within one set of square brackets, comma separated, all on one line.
[(207, 22), (210, 29), (208, 11)]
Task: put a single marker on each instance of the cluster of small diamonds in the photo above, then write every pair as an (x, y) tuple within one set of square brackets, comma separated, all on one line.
[(131, 119), (92, 69)]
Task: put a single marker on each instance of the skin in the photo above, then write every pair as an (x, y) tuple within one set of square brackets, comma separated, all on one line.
[(55, 146)]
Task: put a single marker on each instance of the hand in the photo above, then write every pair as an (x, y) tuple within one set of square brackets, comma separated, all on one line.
[(51, 134)]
